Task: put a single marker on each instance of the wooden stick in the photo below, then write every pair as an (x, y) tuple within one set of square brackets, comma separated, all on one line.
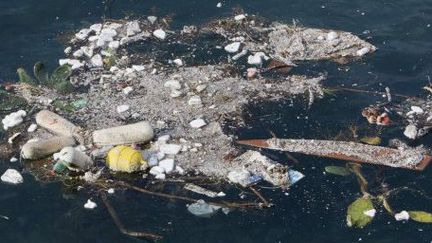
[(121, 227), (187, 199), (260, 196)]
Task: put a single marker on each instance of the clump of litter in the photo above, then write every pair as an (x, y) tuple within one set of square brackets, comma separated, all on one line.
[(13, 119), (175, 99), (12, 176)]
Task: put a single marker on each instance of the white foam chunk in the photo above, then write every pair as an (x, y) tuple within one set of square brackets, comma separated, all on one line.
[(172, 149), (12, 176), (160, 34), (233, 47), (168, 165), (90, 204), (13, 119), (197, 123)]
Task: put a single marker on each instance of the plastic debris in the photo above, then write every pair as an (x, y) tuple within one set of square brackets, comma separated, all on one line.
[(13, 137), (90, 204), (202, 209), (122, 108), (402, 216), (337, 170), (13, 160), (111, 191), (198, 123), (12, 176), (13, 119), (160, 34), (32, 128), (74, 159), (90, 177), (233, 47), (167, 165), (140, 132), (295, 176), (200, 190), (371, 213), (37, 149), (171, 149), (125, 159), (56, 124)]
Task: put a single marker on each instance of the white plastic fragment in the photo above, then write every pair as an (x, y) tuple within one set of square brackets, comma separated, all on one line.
[(172, 84), (111, 191), (171, 149), (72, 157), (160, 177), (256, 59), (152, 19), (168, 165), (233, 47), (122, 108), (417, 109), (138, 68), (78, 53), (411, 131), (12, 138), (156, 170), (127, 90), (363, 51), (219, 5), (178, 62), (96, 27), (90, 204), (32, 128), (294, 176), (114, 45), (13, 119), (202, 209), (371, 213), (403, 215), (160, 34), (179, 170), (13, 160), (12, 176), (239, 17), (68, 50), (83, 34), (132, 28), (197, 123), (195, 101), (332, 36), (239, 177), (239, 55), (96, 61)]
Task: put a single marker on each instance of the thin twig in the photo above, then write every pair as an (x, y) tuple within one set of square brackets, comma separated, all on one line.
[(121, 227), (260, 196)]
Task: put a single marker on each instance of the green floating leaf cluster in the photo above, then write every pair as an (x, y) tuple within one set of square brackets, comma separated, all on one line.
[(58, 80), (356, 216)]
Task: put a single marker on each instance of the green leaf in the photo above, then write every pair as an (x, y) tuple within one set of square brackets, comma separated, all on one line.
[(356, 216), (371, 140), (337, 170), (420, 216), (61, 74), (24, 77), (41, 73)]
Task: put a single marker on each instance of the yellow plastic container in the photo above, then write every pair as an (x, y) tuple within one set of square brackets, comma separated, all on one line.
[(125, 159)]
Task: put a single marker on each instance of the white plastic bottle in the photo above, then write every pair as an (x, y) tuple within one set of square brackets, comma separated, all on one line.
[(140, 132), (38, 149)]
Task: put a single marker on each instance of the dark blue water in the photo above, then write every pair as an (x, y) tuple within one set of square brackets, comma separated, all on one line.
[(314, 209)]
